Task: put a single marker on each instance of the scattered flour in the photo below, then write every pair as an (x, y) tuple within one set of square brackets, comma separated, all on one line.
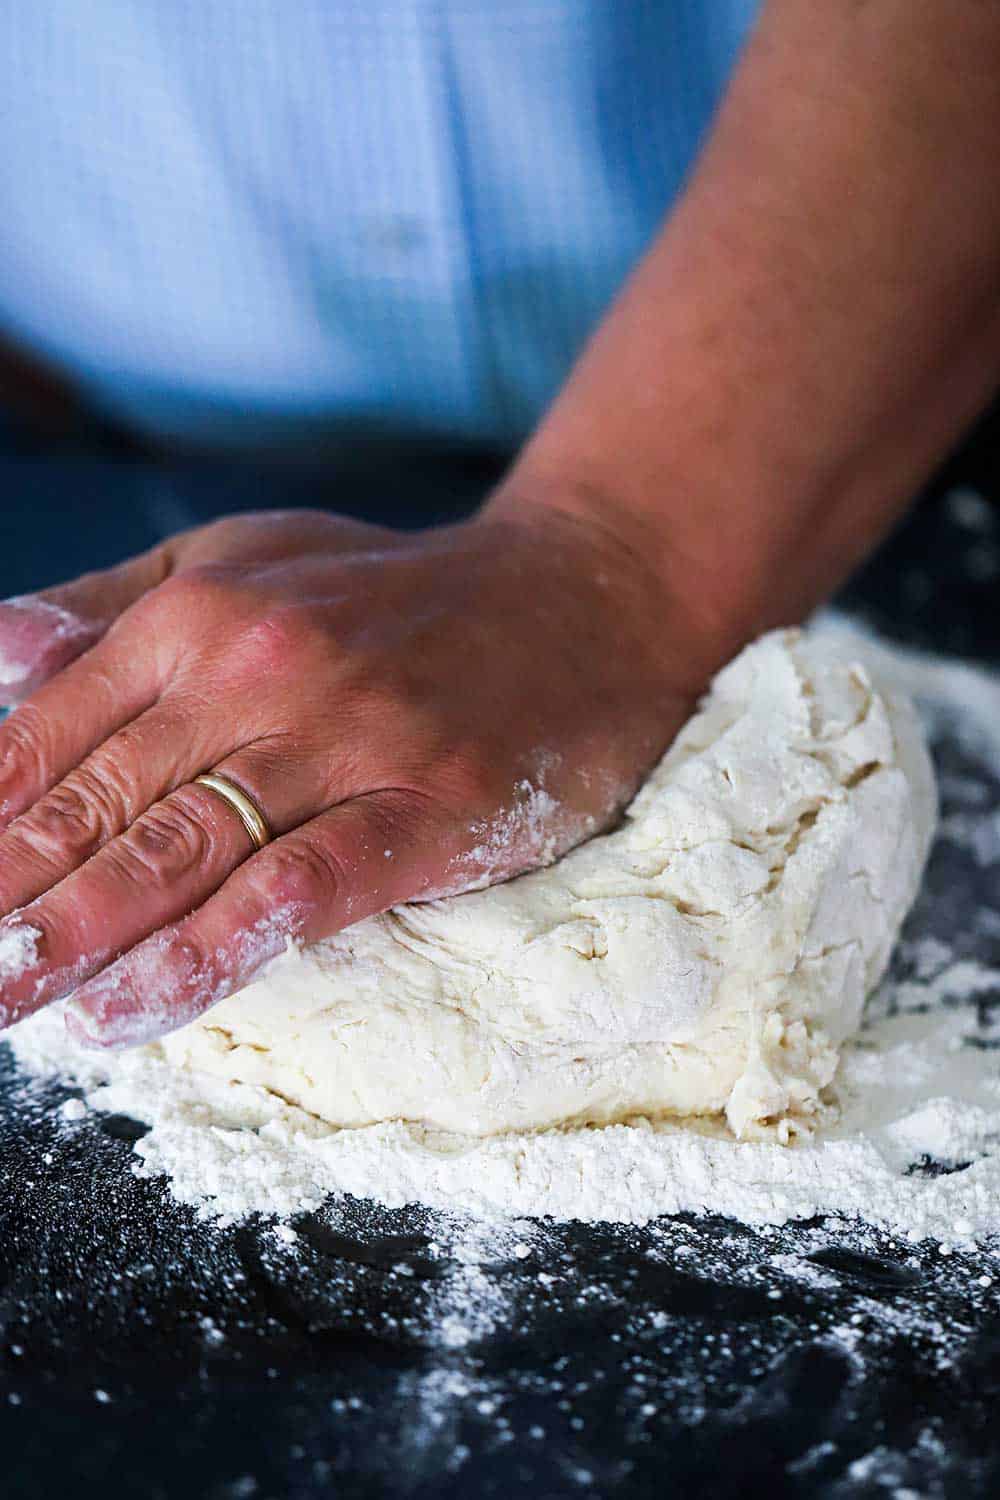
[(915, 1151), (18, 949), (913, 1091), (528, 833)]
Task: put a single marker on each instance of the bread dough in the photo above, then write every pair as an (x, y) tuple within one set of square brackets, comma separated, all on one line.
[(708, 957)]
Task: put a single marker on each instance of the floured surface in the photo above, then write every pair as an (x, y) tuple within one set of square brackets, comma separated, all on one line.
[(708, 957), (913, 1090), (915, 1148), (810, 1360)]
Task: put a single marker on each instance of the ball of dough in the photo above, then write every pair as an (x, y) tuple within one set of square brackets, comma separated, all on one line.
[(706, 958)]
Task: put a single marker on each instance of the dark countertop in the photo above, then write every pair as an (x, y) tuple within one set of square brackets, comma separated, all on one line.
[(145, 1354)]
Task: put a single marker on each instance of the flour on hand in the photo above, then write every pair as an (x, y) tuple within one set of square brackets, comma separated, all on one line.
[(706, 958)]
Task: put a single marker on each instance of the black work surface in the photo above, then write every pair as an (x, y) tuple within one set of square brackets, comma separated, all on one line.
[(145, 1354)]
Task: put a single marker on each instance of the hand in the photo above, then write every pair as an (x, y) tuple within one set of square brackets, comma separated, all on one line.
[(415, 714)]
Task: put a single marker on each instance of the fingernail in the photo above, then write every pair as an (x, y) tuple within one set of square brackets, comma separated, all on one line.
[(104, 1012), (116, 1032), (99, 1039), (73, 1020)]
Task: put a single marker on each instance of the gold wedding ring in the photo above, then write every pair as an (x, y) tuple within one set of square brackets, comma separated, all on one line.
[(250, 815)]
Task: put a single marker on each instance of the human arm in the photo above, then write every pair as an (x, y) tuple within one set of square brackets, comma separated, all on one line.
[(815, 325)]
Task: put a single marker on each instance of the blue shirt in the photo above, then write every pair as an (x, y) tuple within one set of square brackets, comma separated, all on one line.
[(252, 220)]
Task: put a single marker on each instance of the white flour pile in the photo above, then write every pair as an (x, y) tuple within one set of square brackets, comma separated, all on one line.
[(916, 1147)]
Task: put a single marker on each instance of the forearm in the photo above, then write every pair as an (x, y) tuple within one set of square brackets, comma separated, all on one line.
[(817, 322)]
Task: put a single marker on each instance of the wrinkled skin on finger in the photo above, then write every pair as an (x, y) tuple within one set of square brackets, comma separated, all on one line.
[(417, 715)]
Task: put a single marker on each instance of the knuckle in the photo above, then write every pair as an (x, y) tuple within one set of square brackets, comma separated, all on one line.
[(206, 577), (223, 532), (66, 821), (274, 641), (181, 962), (198, 589), (301, 872), (79, 814), (168, 843), (252, 529), (62, 931), (27, 744), (190, 613)]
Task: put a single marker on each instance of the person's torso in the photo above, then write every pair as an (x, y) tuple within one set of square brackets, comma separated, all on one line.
[(247, 218)]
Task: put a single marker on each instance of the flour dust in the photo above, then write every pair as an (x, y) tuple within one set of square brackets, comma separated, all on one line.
[(915, 1150), (832, 1259)]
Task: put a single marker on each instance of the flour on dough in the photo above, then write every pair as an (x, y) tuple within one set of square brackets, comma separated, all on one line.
[(708, 957)]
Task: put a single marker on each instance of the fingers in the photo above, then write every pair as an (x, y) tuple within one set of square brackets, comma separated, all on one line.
[(358, 858), (68, 718), (163, 866), (41, 633), (99, 799)]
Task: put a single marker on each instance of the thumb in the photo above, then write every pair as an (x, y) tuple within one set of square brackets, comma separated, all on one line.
[(40, 633)]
